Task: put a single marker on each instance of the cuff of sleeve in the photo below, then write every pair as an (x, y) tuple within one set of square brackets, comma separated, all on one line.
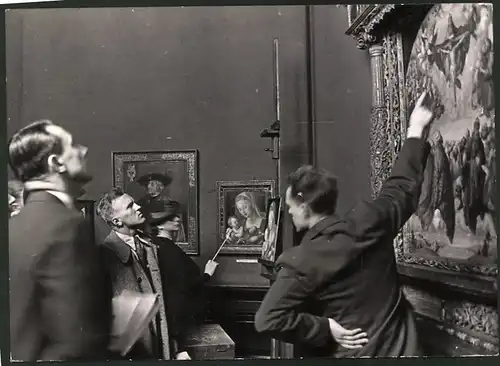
[(325, 329)]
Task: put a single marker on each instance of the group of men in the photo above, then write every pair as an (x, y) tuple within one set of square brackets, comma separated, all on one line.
[(62, 287), (336, 294)]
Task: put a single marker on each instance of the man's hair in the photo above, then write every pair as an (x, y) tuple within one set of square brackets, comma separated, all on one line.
[(316, 187), (105, 207), (29, 149)]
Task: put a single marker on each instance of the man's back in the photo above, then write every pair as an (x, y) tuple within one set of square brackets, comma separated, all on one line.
[(344, 269), (365, 294), (59, 309)]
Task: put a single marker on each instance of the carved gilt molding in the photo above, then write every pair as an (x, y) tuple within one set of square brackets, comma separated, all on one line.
[(478, 318), (364, 27), (380, 29), (476, 324)]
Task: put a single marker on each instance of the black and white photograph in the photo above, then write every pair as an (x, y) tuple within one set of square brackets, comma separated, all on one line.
[(226, 182)]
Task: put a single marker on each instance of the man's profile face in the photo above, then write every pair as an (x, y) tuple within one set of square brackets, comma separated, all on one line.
[(126, 211), (73, 156)]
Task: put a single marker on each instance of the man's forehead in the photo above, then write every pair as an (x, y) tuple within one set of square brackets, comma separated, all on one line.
[(123, 200)]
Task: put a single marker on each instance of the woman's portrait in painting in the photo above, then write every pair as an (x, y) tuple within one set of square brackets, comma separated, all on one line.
[(242, 207), (247, 225)]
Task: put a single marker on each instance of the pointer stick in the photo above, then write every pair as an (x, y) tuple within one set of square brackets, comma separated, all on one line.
[(224, 242)]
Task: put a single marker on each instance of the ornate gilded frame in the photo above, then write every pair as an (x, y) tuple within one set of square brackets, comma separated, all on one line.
[(380, 29), (265, 186), (190, 157)]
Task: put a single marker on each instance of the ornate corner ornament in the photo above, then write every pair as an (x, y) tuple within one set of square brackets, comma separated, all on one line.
[(364, 28)]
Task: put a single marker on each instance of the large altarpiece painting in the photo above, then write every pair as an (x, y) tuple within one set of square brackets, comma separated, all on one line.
[(451, 241)]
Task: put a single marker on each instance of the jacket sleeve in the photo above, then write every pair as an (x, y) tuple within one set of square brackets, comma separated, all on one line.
[(398, 198), (74, 304), (280, 317)]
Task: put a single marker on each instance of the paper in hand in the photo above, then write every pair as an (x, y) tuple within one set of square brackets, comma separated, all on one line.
[(132, 313)]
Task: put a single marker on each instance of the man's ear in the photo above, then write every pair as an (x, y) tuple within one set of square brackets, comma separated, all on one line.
[(55, 164), (116, 222)]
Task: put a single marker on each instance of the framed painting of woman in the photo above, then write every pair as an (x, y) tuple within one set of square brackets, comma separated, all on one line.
[(242, 215)]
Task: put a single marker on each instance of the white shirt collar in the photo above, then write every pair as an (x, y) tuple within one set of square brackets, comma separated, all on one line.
[(49, 187), (63, 197), (128, 239)]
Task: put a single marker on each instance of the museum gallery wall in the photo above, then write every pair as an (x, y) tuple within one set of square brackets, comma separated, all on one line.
[(196, 79)]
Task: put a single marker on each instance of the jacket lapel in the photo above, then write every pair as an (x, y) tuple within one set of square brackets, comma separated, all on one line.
[(125, 255)]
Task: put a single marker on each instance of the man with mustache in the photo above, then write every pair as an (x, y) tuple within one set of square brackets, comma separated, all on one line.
[(59, 308)]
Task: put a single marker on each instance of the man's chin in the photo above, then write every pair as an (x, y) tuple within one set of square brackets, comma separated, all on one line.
[(82, 178), (138, 225)]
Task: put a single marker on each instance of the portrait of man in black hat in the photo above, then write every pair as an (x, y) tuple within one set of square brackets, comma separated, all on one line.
[(157, 199)]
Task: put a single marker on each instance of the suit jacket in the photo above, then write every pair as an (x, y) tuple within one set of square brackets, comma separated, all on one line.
[(59, 308), (125, 272), (345, 269), (183, 286)]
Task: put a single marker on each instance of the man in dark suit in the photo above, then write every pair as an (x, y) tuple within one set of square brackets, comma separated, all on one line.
[(132, 265), (59, 309), (344, 268)]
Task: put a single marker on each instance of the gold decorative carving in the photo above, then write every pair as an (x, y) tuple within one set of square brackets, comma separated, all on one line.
[(490, 347), (364, 28), (475, 317), (378, 117), (473, 323)]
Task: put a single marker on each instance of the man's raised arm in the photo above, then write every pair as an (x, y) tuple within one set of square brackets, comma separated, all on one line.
[(399, 195)]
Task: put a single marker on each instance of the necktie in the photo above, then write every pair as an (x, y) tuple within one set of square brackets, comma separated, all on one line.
[(141, 253)]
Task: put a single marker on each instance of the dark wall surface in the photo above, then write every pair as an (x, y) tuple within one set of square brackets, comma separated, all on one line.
[(342, 101), (194, 78)]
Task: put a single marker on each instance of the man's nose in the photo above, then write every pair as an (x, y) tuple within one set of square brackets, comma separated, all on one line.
[(84, 149)]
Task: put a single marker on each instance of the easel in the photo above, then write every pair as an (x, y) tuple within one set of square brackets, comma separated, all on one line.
[(273, 132)]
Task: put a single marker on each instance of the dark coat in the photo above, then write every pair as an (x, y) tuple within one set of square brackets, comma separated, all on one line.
[(59, 308), (345, 269), (125, 272), (183, 286)]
